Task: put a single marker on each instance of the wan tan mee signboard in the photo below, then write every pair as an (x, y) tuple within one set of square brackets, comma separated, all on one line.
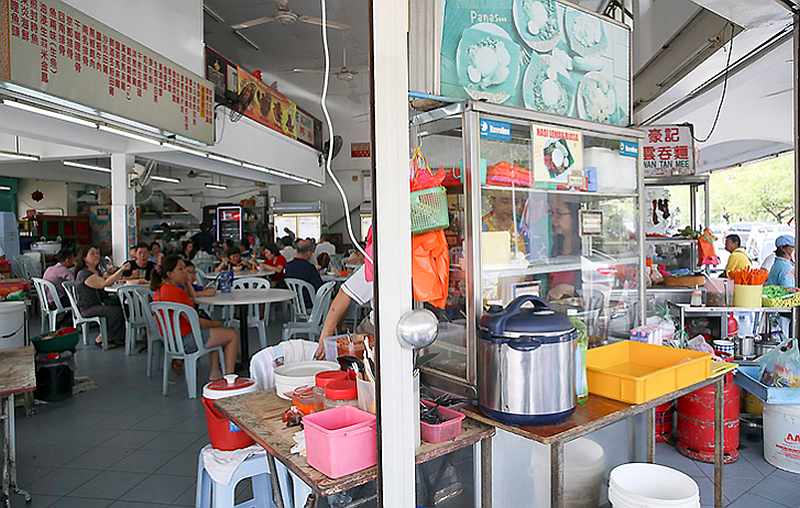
[(668, 150), (51, 47)]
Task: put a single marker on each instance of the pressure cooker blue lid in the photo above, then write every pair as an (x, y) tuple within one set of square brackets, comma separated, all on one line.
[(526, 315)]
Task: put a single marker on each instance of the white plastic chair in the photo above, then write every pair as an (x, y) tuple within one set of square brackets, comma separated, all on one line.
[(51, 310), (154, 337), (135, 307), (168, 316), (313, 326), (254, 319), (299, 289), (84, 322)]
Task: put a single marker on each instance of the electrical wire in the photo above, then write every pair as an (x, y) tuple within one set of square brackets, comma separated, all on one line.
[(329, 123), (724, 91)]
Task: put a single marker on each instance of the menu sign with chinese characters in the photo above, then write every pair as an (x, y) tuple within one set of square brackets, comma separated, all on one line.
[(48, 46), (668, 150)]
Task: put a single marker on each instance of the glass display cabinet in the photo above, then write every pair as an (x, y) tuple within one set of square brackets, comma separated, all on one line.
[(539, 205)]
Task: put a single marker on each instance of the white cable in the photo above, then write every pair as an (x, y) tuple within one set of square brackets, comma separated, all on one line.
[(329, 123)]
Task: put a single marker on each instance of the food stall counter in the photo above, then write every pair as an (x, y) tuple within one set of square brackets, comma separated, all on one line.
[(260, 415)]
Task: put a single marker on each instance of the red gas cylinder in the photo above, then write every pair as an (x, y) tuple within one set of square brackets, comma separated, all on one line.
[(696, 423), (664, 414)]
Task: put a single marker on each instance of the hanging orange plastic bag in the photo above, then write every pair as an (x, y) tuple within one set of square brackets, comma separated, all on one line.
[(430, 268), (705, 247), (422, 176)]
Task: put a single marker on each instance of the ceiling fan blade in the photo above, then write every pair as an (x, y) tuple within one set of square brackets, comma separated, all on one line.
[(253, 22), (330, 24), (308, 71)]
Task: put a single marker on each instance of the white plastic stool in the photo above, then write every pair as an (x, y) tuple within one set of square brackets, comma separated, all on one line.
[(212, 494)]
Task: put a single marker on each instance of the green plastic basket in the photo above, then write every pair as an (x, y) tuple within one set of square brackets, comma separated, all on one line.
[(429, 210)]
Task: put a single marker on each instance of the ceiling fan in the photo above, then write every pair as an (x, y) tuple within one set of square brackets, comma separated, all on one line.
[(344, 73), (286, 16)]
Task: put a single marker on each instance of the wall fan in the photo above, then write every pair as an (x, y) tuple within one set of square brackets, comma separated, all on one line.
[(286, 16), (139, 180), (238, 103)]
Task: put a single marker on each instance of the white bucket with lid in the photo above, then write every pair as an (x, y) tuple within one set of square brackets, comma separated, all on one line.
[(641, 485), (782, 436), (584, 467), (12, 325)]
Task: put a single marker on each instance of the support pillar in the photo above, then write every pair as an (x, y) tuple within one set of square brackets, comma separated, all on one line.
[(123, 207)]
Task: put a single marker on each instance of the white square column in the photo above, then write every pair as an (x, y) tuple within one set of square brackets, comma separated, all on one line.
[(123, 207)]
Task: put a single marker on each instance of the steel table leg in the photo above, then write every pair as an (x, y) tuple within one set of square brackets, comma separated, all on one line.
[(12, 456), (5, 494), (486, 473), (277, 495), (244, 336), (719, 432), (557, 475), (651, 435)]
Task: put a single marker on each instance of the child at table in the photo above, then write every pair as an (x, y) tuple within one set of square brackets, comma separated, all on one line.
[(199, 290)]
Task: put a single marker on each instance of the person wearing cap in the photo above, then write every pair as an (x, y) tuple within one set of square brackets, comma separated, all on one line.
[(782, 271)]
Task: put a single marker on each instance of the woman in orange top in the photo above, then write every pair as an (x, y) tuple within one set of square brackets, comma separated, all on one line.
[(169, 287)]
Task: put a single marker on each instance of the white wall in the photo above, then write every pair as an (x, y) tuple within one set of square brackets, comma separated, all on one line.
[(330, 197), (55, 195), (172, 28)]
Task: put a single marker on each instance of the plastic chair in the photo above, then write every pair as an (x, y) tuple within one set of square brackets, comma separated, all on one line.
[(211, 494), (135, 307), (313, 326), (254, 319), (168, 317), (84, 322), (299, 289), (50, 304), (153, 333)]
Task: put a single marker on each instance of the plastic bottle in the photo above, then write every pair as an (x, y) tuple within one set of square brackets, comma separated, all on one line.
[(697, 297), (733, 325), (581, 381)]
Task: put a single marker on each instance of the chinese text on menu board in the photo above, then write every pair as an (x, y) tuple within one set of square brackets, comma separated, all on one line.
[(668, 151), (70, 44)]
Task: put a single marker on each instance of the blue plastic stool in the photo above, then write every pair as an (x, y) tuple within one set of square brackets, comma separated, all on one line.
[(214, 495)]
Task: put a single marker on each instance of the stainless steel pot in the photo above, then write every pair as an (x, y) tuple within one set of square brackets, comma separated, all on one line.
[(526, 364)]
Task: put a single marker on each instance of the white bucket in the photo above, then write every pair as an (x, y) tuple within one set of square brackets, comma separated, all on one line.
[(584, 467), (782, 436), (640, 485), (12, 325)]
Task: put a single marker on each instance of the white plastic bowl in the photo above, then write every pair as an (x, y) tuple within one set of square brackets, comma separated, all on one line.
[(289, 377)]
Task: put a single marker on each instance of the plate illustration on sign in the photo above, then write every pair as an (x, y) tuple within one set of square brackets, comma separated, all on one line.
[(571, 63)]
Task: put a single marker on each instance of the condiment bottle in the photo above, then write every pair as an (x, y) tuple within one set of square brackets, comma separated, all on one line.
[(697, 297), (341, 393)]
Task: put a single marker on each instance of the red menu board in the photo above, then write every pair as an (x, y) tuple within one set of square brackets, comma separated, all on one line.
[(48, 46)]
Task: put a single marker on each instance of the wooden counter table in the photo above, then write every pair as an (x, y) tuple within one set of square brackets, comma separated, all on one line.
[(260, 414), (599, 412), (17, 376)]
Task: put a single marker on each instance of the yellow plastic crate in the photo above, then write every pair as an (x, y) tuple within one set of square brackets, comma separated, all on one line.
[(634, 372)]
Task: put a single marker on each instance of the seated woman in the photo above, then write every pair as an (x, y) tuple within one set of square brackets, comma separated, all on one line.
[(169, 287), (188, 249), (323, 262), (233, 261), (274, 263), (93, 300)]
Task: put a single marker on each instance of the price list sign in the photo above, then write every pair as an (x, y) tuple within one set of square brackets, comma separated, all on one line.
[(53, 48), (668, 150)]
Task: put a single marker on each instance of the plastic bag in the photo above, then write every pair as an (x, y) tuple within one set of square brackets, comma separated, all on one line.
[(430, 268), (422, 177), (781, 366), (699, 344)]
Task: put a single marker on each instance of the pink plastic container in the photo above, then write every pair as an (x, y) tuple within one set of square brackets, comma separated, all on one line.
[(445, 431), (341, 441)]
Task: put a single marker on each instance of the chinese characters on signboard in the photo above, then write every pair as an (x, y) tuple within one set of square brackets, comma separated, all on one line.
[(668, 151), (48, 46)]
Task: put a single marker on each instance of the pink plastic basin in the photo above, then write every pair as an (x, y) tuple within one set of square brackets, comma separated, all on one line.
[(341, 441)]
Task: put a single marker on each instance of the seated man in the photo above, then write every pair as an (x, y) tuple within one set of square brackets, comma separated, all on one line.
[(141, 267), (232, 261), (738, 259), (301, 268), (61, 272)]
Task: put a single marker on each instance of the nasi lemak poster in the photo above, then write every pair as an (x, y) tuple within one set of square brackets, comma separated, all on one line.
[(542, 55)]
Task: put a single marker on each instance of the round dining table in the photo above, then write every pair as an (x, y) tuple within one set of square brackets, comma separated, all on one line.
[(242, 274), (114, 288), (241, 299)]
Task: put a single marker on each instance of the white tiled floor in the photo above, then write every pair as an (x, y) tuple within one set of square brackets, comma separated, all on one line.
[(124, 445)]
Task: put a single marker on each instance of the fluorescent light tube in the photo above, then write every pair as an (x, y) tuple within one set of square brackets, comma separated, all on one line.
[(167, 179), (315, 184), (19, 156), (184, 149), (290, 177), (5, 188), (216, 186), (131, 135), (256, 167), (50, 113), (227, 160), (73, 164)]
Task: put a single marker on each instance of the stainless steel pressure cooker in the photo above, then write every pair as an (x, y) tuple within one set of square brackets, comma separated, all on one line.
[(526, 363)]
